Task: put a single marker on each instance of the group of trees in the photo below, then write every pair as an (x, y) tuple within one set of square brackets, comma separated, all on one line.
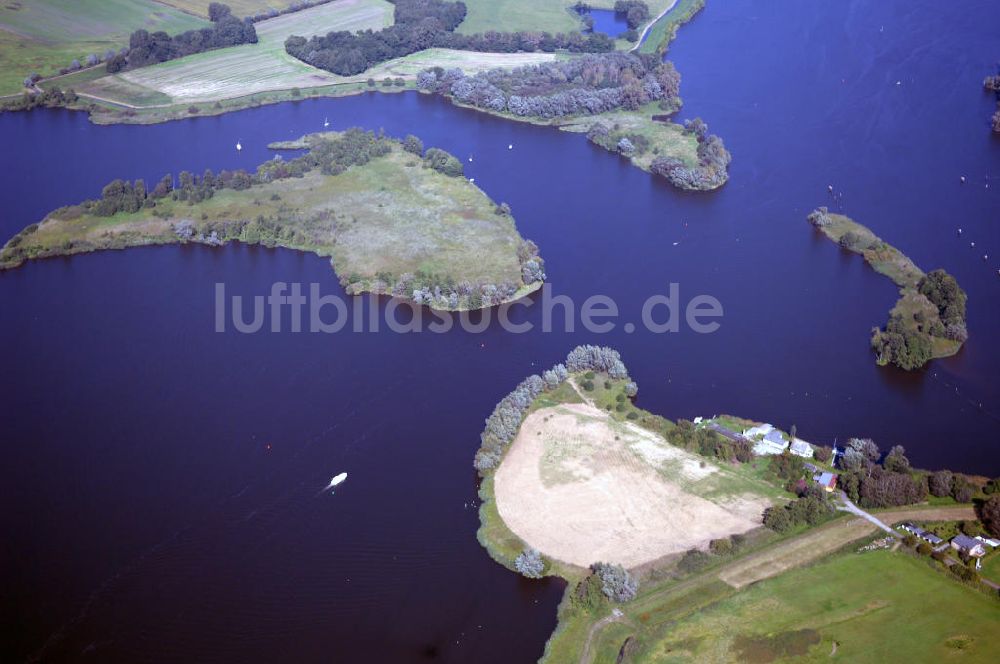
[(708, 443), (422, 24), (636, 12), (147, 48), (811, 507), (530, 564), (588, 85), (504, 421), (874, 485), (713, 161), (910, 344), (52, 97)]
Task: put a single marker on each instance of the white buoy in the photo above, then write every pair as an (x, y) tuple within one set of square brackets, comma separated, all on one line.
[(829, 188), (972, 244), (986, 257), (238, 146), (959, 231), (899, 82), (962, 179), (510, 147), (676, 243)]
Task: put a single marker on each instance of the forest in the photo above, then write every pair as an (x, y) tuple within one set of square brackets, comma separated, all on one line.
[(588, 85)]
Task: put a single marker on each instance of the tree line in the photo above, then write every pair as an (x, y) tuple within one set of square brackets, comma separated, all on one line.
[(422, 24), (147, 48), (587, 85)]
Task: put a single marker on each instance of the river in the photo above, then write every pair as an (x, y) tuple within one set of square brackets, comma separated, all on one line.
[(161, 479)]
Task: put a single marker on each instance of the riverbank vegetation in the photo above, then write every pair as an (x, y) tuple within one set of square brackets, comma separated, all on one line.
[(394, 218), (928, 320), (992, 84)]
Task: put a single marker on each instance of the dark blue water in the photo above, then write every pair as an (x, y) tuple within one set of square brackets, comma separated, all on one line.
[(607, 21), (161, 479)]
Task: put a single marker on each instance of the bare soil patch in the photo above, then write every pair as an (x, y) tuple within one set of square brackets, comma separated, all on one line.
[(582, 488)]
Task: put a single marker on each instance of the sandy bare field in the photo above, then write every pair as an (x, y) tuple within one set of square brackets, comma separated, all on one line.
[(583, 488)]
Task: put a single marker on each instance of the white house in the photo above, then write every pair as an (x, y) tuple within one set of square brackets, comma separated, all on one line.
[(759, 430), (802, 448), (773, 442)]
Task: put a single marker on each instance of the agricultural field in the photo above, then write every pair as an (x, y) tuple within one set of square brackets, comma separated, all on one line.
[(871, 607), (255, 68), (239, 7), (250, 68), (44, 36)]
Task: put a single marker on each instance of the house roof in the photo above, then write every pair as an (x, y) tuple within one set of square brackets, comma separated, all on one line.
[(826, 478), (966, 542), (774, 436)]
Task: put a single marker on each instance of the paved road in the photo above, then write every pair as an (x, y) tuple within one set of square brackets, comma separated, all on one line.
[(848, 506), (649, 26)]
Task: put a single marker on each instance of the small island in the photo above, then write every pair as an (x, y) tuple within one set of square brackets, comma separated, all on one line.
[(928, 320), (394, 218), (992, 84), (622, 102)]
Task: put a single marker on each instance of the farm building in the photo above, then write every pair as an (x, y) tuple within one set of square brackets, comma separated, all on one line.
[(922, 534), (970, 546)]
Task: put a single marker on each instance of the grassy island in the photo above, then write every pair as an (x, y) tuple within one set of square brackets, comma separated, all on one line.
[(394, 219), (928, 320)]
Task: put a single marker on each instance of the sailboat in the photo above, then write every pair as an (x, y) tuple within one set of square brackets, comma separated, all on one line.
[(238, 146), (326, 122)]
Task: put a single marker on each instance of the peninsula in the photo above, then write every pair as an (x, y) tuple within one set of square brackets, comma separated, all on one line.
[(394, 218), (928, 320), (654, 523)]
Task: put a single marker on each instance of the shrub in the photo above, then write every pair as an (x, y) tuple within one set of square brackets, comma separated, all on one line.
[(616, 583), (530, 564)]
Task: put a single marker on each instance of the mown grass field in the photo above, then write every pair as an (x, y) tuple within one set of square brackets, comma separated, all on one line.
[(239, 7), (872, 607), (43, 36), (544, 15), (390, 215)]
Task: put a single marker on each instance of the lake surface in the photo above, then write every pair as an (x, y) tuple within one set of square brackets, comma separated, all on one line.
[(607, 21), (161, 479)]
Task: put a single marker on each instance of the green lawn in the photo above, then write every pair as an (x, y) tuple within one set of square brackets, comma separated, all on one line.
[(45, 35), (546, 15), (875, 607), (991, 567)]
